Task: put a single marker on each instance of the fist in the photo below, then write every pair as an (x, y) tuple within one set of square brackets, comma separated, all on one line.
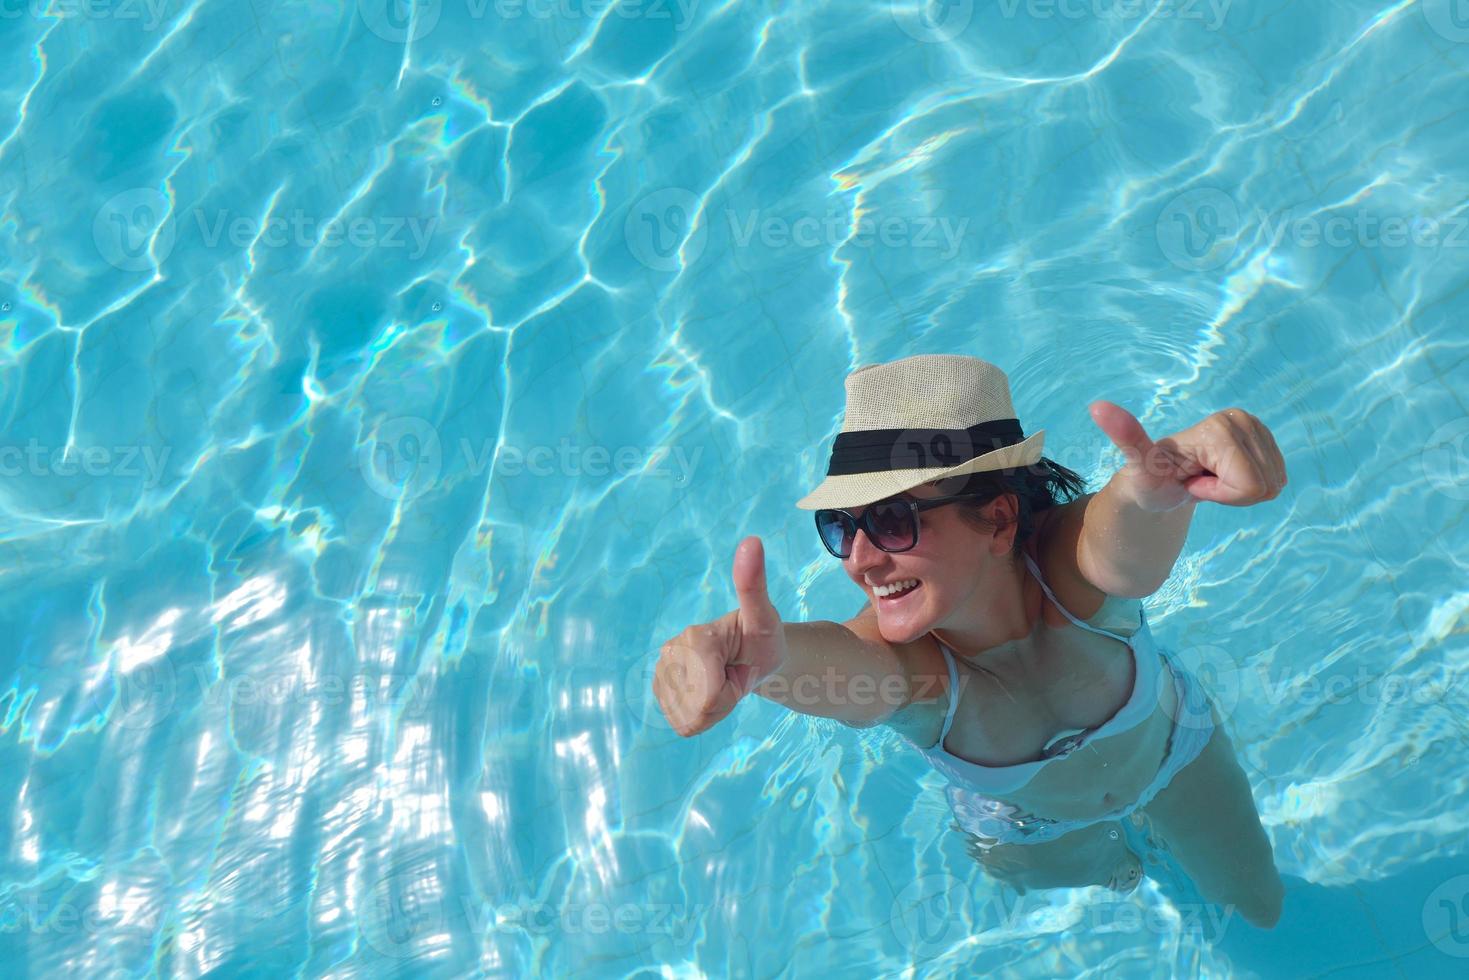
[(703, 672), (1228, 458)]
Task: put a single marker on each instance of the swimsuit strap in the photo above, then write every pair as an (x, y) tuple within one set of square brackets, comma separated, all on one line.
[(1030, 563), (954, 670), (953, 693)]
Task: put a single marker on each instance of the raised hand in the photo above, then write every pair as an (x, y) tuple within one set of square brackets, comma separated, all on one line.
[(704, 671), (1229, 458)]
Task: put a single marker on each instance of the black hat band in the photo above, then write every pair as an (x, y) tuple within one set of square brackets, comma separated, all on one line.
[(879, 450)]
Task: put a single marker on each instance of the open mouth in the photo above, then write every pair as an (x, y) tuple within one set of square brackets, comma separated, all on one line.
[(900, 591)]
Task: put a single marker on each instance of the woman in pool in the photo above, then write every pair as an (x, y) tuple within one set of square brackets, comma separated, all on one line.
[(1003, 634)]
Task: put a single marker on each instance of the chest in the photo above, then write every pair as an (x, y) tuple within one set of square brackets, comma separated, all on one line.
[(1061, 680), (1011, 706)]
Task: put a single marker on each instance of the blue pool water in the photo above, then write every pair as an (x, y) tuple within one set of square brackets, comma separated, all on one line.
[(381, 383)]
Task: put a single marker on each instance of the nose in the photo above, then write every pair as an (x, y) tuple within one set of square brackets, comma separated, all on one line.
[(864, 554)]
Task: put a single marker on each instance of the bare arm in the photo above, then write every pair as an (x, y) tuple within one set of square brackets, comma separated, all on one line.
[(1125, 550), (834, 671), (1134, 528), (828, 669)]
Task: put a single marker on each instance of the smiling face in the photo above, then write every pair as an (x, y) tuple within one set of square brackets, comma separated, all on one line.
[(955, 564)]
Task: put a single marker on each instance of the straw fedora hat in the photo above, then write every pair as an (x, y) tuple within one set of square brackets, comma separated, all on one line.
[(919, 419)]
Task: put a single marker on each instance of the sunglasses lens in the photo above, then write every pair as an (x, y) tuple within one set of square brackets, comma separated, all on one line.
[(893, 524), (836, 530)]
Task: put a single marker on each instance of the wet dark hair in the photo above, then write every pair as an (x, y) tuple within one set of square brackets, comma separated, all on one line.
[(1037, 487)]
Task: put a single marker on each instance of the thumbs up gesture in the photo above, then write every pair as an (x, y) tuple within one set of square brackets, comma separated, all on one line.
[(1229, 458), (703, 672)]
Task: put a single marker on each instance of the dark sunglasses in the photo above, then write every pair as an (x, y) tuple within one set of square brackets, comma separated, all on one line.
[(891, 525)]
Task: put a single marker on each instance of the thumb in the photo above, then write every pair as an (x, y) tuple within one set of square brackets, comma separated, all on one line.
[(1123, 428), (758, 614)]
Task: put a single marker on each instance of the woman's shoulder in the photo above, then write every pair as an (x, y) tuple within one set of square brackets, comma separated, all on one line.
[(920, 658), (1053, 548), (928, 672)]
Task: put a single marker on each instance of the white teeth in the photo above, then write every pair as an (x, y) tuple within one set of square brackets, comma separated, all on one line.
[(887, 590)]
